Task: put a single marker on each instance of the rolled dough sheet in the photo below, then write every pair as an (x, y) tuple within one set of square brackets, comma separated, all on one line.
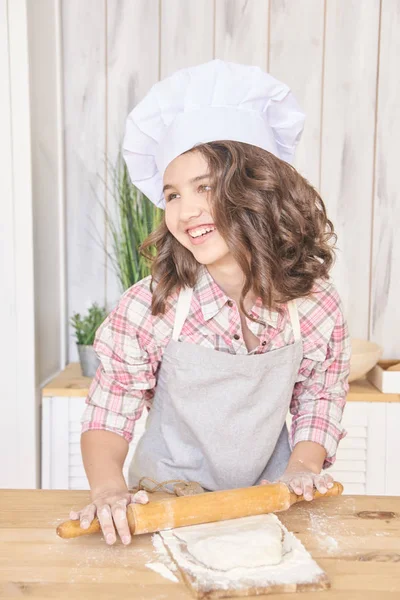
[(226, 545), (214, 565)]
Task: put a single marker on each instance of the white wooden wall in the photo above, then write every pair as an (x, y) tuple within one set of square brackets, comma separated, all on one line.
[(340, 58), (47, 157), (19, 399)]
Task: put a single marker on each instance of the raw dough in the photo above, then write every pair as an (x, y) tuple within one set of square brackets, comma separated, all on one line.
[(247, 542)]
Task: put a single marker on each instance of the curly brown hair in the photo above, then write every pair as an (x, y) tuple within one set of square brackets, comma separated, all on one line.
[(273, 221)]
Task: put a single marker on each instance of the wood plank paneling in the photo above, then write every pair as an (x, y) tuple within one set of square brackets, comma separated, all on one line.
[(241, 31), (132, 68), (84, 30), (347, 159), (8, 292), (19, 427), (296, 58), (327, 52), (385, 282), (47, 179), (186, 34)]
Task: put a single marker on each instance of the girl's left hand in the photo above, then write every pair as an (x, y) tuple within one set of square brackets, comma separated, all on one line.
[(302, 482)]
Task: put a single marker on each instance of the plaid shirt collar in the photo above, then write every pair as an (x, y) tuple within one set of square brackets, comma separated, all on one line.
[(212, 298)]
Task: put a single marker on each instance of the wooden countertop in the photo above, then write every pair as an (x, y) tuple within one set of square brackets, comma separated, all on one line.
[(70, 382), (355, 539)]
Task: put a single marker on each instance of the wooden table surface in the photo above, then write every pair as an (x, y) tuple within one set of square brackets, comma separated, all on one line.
[(355, 539)]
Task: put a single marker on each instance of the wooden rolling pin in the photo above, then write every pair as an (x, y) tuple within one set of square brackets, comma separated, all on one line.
[(172, 512)]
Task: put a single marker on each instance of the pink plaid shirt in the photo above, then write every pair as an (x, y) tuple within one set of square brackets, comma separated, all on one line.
[(130, 344)]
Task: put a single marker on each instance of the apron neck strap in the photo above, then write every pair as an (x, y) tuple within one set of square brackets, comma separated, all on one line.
[(182, 311), (294, 317)]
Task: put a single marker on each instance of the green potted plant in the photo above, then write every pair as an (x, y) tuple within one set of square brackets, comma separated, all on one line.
[(85, 330), (131, 220)]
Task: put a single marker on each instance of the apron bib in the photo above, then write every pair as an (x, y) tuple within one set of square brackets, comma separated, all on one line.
[(218, 418)]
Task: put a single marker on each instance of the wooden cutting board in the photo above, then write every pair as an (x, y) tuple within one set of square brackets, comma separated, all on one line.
[(297, 572)]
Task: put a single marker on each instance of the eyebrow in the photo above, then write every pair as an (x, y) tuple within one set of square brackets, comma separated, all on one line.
[(194, 180)]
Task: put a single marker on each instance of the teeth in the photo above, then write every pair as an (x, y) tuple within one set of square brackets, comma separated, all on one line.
[(198, 232)]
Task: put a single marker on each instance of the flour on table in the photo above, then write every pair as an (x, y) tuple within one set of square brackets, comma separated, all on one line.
[(251, 542), (162, 570), (166, 564)]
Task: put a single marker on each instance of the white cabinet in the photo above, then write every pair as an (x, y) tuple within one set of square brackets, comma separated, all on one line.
[(366, 461), (361, 456), (62, 466), (392, 479)]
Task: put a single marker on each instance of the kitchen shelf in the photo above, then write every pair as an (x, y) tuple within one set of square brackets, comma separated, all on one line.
[(70, 382)]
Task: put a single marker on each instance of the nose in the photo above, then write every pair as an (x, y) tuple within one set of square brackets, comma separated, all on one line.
[(189, 208)]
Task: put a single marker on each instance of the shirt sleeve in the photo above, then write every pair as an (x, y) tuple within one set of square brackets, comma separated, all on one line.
[(321, 387), (126, 377)]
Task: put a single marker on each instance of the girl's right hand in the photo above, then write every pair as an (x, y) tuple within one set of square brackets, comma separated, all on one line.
[(110, 507)]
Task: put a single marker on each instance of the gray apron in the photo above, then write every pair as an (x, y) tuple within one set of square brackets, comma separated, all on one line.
[(218, 418)]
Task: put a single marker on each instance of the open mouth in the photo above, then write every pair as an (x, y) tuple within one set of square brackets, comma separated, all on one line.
[(199, 236)]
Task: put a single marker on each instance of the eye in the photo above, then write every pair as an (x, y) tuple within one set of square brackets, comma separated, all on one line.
[(171, 197), (201, 187)]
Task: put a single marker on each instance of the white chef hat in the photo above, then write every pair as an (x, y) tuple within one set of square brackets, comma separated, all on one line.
[(216, 100)]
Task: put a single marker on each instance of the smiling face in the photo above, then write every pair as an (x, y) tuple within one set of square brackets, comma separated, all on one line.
[(187, 191)]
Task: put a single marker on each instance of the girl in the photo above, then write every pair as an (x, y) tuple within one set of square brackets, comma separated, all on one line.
[(238, 323)]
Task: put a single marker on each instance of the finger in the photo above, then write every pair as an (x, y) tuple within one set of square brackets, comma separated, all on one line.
[(74, 515), (320, 484), (308, 488), (140, 497), (296, 485), (120, 519), (264, 482), (329, 481), (106, 522), (87, 516)]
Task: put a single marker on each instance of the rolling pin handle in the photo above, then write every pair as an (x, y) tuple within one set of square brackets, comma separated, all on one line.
[(336, 490), (72, 529)]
